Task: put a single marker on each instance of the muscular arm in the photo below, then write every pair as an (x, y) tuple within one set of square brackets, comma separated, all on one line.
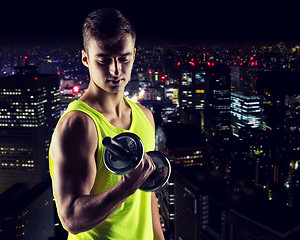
[(73, 148)]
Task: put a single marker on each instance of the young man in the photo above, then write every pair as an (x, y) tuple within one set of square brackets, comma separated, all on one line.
[(92, 202)]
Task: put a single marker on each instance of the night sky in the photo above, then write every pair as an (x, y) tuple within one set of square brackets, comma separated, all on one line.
[(156, 21)]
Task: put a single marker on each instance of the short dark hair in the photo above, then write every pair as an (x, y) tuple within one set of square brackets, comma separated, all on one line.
[(107, 25)]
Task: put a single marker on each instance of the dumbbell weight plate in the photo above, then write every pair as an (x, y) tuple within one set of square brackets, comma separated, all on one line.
[(130, 162), (160, 176)]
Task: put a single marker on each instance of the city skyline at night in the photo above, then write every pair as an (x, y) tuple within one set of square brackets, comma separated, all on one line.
[(227, 96), (223, 84)]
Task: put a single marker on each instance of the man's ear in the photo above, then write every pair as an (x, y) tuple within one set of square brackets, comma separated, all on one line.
[(134, 52), (84, 58)]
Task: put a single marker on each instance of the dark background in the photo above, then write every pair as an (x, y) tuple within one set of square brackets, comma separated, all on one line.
[(183, 21)]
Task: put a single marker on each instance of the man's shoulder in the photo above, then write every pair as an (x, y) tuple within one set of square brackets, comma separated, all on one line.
[(148, 114), (75, 119), (75, 131), (144, 109), (77, 124)]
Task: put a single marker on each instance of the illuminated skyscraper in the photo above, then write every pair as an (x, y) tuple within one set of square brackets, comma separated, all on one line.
[(29, 111), (217, 110), (206, 89), (192, 91), (246, 111)]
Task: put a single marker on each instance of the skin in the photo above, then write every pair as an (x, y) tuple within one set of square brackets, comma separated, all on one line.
[(75, 140)]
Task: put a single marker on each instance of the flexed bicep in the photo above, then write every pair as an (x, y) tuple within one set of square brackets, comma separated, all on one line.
[(72, 150)]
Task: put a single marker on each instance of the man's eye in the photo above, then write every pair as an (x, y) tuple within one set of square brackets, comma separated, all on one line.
[(123, 59), (104, 60)]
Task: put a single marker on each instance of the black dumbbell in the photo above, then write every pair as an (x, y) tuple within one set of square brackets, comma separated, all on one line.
[(125, 151)]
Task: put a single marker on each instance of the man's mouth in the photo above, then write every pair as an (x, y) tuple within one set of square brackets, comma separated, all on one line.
[(114, 81)]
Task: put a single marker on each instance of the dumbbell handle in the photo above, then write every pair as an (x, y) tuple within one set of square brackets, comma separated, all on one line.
[(124, 153), (115, 147)]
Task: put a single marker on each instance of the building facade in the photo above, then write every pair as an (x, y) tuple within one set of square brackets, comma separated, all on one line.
[(29, 111), (246, 111)]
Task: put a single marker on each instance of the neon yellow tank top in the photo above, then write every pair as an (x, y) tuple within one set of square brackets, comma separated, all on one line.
[(133, 219)]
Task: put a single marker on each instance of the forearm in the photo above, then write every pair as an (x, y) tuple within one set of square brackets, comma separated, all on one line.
[(88, 211)]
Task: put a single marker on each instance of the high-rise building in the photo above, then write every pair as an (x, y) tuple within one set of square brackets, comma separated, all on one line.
[(217, 111), (187, 221), (206, 89), (246, 112), (278, 89), (241, 226), (197, 216), (29, 111), (243, 78), (192, 90), (281, 94), (206, 208), (184, 146)]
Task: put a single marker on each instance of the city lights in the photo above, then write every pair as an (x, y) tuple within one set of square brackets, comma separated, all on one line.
[(76, 89), (227, 117)]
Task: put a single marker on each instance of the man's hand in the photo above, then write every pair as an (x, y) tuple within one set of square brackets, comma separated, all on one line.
[(133, 180)]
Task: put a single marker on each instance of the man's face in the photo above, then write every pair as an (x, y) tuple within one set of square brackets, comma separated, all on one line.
[(110, 66)]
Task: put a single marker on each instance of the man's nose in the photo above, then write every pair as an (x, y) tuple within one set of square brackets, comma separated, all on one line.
[(115, 68)]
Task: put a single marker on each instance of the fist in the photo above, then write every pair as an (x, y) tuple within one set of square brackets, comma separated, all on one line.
[(138, 176)]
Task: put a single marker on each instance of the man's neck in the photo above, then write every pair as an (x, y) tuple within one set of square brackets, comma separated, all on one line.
[(104, 102)]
